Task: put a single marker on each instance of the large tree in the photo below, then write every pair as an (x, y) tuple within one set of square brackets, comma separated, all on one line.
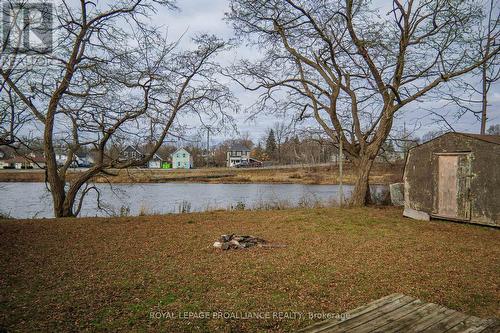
[(353, 67), (470, 93), (110, 77), (281, 132), (271, 146), (490, 70)]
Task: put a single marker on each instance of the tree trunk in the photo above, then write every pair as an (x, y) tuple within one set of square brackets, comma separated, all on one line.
[(63, 203), (361, 193), (67, 209), (58, 198), (56, 183)]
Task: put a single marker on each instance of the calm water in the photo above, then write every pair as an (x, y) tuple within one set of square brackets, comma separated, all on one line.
[(28, 200)]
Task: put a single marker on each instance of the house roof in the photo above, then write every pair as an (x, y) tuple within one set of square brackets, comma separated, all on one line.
[(179, 149), (157, 157), (82, 154), (22, 159), (238, 147), (133, 148)]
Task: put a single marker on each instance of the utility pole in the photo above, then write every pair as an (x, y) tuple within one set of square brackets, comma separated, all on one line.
[(341, 160), (484, 101), (490, 41)]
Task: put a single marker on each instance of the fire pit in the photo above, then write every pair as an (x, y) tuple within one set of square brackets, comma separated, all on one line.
[(232, 241)]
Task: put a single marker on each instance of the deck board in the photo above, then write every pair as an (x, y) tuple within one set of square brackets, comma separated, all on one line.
[(440, 322), (400, 313), (350, 324), (423, 317), (320, 326)]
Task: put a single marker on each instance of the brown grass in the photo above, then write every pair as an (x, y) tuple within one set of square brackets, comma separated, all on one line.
[(109, 274), (381, 174)]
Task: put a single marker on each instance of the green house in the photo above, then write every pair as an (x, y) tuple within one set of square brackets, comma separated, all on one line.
[(181, 159)]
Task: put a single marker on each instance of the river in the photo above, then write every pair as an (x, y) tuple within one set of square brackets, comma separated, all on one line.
[(32, 200)]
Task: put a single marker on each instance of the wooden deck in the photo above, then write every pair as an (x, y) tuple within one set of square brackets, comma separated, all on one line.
[(400, 313)]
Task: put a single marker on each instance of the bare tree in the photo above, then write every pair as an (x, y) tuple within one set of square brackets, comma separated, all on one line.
[(112, 78), (470, 93), (12, 113), (350, 68), (494, 129), (490, 69), (281, 132)]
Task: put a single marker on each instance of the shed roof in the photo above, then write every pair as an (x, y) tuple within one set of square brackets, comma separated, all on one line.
[(488, 138), (495, 139)]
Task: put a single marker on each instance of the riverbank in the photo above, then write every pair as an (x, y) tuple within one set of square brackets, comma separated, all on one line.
[(382, 173), (120, 274)]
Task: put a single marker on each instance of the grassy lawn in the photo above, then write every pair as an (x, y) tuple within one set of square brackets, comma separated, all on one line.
[(110, 274)]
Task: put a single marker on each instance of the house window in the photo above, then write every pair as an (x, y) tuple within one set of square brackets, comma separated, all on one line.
[(183, 155), (178, 164)]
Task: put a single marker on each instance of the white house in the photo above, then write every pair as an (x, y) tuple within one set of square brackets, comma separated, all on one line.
[(61, 158), (155, 162), (237, 154), (182, 159)]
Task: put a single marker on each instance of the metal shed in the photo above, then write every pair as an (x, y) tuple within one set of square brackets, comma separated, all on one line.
[(455, 176)]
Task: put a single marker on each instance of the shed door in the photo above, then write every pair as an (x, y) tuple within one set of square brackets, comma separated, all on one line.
[(453, 185)]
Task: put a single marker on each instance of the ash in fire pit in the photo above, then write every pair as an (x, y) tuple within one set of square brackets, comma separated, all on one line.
[(227, 242)]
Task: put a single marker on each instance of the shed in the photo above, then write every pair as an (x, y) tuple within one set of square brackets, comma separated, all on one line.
[(455, 176)]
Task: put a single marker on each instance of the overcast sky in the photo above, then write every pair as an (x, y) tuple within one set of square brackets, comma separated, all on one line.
[(195, 16)]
